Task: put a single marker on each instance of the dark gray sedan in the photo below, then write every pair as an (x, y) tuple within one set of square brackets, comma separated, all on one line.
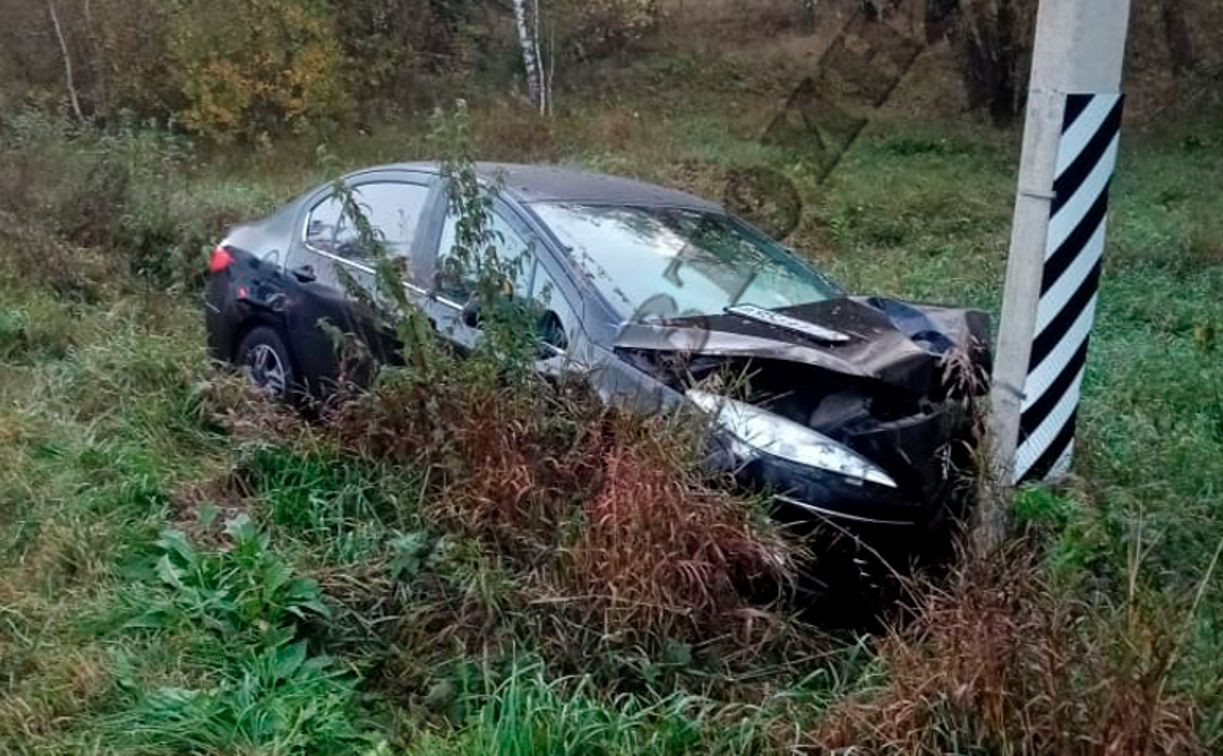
[(854, 408)]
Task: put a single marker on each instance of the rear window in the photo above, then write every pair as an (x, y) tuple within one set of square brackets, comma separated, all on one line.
[(393, 210)]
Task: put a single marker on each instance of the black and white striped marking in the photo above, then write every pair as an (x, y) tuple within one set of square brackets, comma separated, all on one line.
[(1086, 155)]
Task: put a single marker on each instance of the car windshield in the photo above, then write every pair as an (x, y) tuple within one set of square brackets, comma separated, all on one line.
[(656, 263)]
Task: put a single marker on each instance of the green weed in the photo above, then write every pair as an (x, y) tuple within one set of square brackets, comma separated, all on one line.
[(444, 615), (245, 589), (275, 698)]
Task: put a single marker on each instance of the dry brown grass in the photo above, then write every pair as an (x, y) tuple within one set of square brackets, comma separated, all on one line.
[(228, 400), (663, 553), (44, 689), (1002, 662), (32, 257), (505, 466), (604, 521), (514, 130)]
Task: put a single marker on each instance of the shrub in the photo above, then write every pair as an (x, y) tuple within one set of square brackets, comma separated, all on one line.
[(662, 553), (387, 44), (128, 56), (1003, 662), (34, 258), (121, 189), (600, 28), (992, 40), (613, 536), (252, 67)]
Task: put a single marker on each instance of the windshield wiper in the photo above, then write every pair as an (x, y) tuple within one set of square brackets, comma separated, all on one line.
[(778, 320)]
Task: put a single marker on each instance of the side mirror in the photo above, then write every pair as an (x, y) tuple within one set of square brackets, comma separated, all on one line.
[(552, 333), (472, 313)]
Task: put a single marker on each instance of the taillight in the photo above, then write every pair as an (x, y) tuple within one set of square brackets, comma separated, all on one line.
[(220, 260)]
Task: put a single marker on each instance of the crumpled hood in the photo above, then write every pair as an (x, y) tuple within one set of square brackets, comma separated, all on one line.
[(897, 343)]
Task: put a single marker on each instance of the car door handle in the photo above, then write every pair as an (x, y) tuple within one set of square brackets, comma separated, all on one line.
[(304, 273)]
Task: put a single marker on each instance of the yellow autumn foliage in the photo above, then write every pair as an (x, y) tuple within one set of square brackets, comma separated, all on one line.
[(250, 67)]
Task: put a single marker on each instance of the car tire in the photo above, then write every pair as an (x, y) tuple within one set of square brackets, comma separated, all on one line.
[(265, 358)]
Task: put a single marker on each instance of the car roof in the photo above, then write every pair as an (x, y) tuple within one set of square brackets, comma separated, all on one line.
[(551, 183)]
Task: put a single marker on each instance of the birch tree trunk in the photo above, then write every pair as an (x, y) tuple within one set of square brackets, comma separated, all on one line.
[(63, 46), (529, 43), (545, 78)]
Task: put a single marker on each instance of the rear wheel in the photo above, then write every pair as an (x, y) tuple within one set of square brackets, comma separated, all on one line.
[(266, 359)]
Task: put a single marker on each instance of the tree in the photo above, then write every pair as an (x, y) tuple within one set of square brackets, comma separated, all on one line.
[(63, 46), (993, 42), (246, 67), (527, 20), (1176, 33)]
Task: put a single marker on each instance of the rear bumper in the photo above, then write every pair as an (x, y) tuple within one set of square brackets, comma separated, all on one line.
[(221, 317)]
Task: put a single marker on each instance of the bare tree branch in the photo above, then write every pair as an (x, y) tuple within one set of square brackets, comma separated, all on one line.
[(63, 46)]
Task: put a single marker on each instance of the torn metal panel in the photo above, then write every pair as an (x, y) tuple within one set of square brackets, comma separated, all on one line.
[(897, 343), (696, 340)]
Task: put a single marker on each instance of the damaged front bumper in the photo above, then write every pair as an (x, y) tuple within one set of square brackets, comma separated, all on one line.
[(893, 385), (924, 454)]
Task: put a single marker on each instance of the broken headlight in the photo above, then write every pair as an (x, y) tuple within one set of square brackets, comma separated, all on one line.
[(759, 430)]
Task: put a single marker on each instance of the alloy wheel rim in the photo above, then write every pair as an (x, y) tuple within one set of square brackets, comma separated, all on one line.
[(266, 370)]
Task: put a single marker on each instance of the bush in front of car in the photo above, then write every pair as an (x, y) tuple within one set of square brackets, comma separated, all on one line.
[(614, 536), (662, 552), (616, 539)]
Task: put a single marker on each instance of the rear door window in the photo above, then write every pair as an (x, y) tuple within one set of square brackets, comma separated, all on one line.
[(393, 210), (322, 223)]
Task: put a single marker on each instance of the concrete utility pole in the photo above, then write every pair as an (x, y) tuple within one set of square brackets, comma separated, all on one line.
[(1069, 149)]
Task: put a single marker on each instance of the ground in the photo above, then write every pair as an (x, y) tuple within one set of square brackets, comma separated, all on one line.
[(172, 579)]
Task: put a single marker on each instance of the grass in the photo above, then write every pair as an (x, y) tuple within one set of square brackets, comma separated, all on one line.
[(183, 568)]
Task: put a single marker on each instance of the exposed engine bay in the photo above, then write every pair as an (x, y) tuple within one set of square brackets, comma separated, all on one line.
[(892, 381)]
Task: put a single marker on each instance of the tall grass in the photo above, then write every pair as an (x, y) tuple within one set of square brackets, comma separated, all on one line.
[(1003, 662), (523, 570), (526, 713)]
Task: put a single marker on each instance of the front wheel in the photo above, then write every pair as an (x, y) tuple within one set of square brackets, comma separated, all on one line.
[(266, 359)]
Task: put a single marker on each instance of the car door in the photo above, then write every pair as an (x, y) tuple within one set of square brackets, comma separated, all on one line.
[(452, 290), (335, 269), (541, 277)]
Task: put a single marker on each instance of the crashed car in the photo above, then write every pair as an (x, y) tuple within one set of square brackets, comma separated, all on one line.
[(847, 409)]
